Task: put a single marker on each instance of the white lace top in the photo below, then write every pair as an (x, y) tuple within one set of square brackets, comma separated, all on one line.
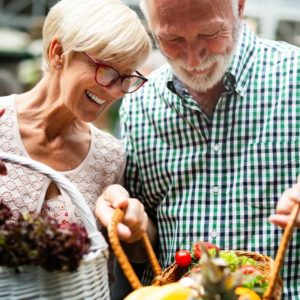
[(23, 190)]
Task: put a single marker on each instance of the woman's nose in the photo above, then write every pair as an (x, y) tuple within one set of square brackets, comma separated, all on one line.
[(115, 91)]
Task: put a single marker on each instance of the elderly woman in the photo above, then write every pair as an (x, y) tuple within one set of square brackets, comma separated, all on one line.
[(91, 51)]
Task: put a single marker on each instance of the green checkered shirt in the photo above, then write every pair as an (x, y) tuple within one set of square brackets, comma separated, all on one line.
[(218, 179)]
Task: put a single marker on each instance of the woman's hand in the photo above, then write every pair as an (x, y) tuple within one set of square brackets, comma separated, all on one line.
[(135, 221), (288, 199), (3, 170)]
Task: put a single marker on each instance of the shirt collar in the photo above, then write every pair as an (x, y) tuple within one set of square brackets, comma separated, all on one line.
[(238, 73), (176, 86), (243, 59)]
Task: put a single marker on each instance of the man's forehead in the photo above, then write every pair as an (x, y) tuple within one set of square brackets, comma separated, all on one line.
[(161, 3), (174, 10), (201, 6)]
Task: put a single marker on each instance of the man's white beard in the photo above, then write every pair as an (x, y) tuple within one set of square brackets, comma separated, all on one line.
[(219, 64)]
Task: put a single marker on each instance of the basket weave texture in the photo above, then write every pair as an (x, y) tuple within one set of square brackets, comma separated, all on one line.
[(90, 281), (263, 263), (173, 273)]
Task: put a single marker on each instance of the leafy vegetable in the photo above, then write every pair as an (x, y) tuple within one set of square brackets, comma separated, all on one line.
[(40, 240)]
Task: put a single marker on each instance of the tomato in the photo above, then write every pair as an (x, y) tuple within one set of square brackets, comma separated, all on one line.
[(197, 248), (197, 251), (248, 269), (183, 258)]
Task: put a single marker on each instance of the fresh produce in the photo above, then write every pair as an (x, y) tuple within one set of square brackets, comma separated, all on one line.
[(183, 258), (217, 274), (40, 241), (246, 294), (196, 250), (213, 274), (172, 291)]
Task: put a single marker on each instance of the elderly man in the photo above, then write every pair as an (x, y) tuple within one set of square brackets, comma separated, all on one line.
[(213, 138)]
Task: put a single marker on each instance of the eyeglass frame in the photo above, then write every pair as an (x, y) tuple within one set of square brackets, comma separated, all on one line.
[(99, 64)]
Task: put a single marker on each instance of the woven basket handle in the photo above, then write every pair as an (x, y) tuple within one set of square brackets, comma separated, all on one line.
[(122, 257), (281, 252), (97, 240)]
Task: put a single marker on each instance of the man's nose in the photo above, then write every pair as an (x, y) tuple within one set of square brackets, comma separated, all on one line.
[(195, 54)]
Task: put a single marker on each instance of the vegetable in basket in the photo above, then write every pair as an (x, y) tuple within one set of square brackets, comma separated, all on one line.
[(216, 273), (213, 274), (40, 241)]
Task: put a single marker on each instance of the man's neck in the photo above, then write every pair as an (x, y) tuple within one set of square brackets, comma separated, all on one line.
[(208, 100)]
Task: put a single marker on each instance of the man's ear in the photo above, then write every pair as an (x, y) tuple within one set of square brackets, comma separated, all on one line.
[(241, 8), (55, 53)]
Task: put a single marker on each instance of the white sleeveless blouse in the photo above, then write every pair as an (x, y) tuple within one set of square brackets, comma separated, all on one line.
[(23, 190)]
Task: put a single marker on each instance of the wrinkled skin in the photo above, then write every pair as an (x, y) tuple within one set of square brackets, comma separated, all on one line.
[(200, 41)]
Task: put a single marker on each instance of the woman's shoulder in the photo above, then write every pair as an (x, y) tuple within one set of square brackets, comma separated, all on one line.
[(7, 101)]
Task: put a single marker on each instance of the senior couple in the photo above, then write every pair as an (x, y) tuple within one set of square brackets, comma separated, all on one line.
[(211, 140)]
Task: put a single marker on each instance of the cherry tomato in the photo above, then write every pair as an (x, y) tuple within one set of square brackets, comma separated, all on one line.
[(248, 269), (197, 248), (183, 258)]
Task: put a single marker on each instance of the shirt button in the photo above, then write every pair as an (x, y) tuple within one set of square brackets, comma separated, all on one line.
[(216, 147), (216, 189), (213, 234)]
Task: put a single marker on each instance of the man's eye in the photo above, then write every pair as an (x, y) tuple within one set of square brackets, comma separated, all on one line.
[(173, 41), (209, 36)]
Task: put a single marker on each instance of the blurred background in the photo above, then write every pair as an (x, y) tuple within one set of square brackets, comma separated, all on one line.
[(20, 41)]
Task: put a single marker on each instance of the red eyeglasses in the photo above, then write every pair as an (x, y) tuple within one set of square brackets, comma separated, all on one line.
[(106, 76)]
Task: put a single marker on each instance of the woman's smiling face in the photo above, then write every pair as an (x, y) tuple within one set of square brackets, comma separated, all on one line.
[(81, 93)]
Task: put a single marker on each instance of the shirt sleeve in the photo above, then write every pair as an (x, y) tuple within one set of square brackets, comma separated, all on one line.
[(133, 181)]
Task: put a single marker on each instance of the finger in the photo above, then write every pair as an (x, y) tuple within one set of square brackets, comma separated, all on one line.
[(103, 211), (287, 200), (138, 232), (282, 220), (298, 179), (3, 170), (141, 225), (2, 111), (124, 232), (116, 195), (134, 214)]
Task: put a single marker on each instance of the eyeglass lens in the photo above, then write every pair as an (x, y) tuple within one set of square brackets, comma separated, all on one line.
[(107, 75)]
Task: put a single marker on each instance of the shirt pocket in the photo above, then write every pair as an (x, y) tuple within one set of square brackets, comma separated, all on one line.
[(264, 171), (269, 169)]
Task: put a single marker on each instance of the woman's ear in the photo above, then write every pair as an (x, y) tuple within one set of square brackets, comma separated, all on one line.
[(55, 54), (241, 8)]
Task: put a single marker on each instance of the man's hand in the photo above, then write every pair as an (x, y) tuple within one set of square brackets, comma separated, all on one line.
[(3, 170), (135, 221), (285, 205)]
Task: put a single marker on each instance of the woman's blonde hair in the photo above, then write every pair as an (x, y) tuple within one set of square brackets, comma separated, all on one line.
[(108, 29)]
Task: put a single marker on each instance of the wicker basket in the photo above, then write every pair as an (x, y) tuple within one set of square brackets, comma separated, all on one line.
[(173, 273), (90, 281), (263, 263)]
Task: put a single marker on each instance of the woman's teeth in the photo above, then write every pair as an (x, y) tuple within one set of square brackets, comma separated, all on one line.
[(94, 98)]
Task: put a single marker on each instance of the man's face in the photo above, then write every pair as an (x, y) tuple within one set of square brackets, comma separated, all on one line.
[(197, 37)]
